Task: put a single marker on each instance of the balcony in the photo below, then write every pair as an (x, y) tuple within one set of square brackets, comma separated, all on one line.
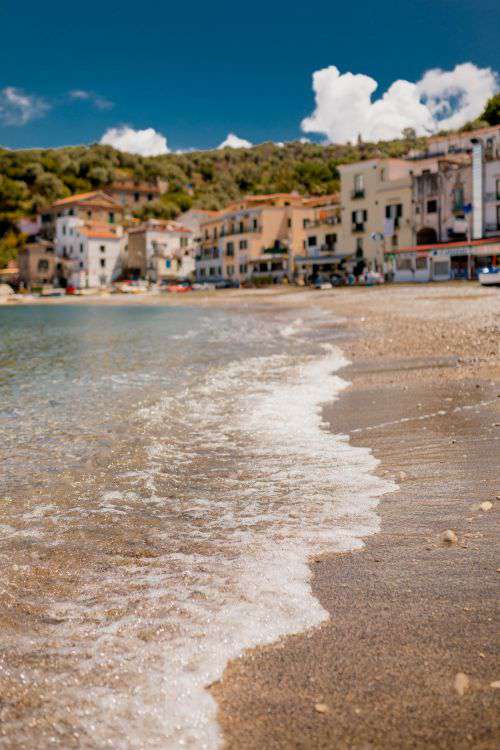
[(358, 193), (492, 197), (275, 250)]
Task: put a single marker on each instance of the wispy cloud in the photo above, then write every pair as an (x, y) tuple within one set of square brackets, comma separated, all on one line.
[(147, 142), (19, 108), (440, 100), (96, 100)]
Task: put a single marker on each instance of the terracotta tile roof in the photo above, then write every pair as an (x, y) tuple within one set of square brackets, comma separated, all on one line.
[(80, 197), (99, 233)]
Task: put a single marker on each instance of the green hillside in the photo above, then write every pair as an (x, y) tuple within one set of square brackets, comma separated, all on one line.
[(31, 179)]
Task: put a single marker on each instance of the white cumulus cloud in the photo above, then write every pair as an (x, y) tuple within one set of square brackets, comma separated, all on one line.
[(18, 108), (100, 102), (440, 100), (233, 141), (147, 142)]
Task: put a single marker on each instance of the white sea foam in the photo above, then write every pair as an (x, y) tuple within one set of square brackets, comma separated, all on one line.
[(295, 490)]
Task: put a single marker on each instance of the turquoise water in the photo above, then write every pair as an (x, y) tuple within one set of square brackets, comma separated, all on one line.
[(166, 475)]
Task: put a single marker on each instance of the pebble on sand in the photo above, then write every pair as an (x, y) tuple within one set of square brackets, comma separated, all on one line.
[(321, 708), (461, 683), (449, 537)]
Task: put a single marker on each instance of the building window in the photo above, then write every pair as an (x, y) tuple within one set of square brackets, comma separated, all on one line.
[(359, 247), (64, 229), (458, 199), (305, 223), (312, 241), (111, 217), (382, 174), (255, 224), (202, 272), (358, 220), (81, 264), (289, 223), (137, 197), (43, 265), (81, 247), (89, 214), (243, 267), (498, 217), (498, 190), (432, 207), (184, 241), (359, 186), (331, 241), (242, 227), (150, 196), (394, 211), (243, 244), (230, 249), (102, 248), (394, 240), (211, 271), (103, 262), (230, 270), (71, 212), (404, 264), (421, 263)]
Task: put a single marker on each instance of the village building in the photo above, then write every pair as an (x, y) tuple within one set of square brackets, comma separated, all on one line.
[(134, 194), (92, 251), (96, 207), (256, 238), (322, 246), (376, 202), (442, 196), (442, 262), (10, 274), (159, 250), (39, 265)]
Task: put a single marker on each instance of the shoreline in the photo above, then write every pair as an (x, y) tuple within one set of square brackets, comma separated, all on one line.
[(407, 612), (418, 415)]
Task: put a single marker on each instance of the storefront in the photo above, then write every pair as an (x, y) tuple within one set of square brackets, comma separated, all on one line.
[(453, 260)]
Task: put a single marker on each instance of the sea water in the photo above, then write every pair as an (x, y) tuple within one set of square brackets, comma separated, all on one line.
[(166, 475)]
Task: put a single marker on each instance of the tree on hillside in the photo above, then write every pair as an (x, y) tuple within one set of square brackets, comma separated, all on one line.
[(491, 113)]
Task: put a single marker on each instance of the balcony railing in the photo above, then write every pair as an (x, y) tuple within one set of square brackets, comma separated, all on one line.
[(358, 193)]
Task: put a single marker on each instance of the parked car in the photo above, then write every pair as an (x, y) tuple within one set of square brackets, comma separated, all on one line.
[(489, 276), (180, 286), (227, 284), (322, 282), (370, 278)]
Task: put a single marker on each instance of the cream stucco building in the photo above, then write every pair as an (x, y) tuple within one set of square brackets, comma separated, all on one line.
[(376, 201)]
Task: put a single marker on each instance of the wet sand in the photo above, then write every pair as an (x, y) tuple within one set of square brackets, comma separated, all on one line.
[(408, 612)]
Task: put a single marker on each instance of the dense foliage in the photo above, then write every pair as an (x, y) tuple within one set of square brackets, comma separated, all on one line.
[(32, 179)]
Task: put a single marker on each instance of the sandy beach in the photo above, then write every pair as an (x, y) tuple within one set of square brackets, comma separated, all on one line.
[(408, 613), (409, 654)]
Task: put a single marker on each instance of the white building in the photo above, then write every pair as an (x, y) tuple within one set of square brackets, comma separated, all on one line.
[(492, 198), (94, 250)]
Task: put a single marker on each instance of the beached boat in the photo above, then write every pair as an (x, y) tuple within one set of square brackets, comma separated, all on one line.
[(489, 276)]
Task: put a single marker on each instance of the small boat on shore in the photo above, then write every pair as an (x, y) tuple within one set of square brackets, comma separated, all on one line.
[(489, 276)]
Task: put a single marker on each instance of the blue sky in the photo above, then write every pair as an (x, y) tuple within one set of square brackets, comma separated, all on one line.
[(196, 71)]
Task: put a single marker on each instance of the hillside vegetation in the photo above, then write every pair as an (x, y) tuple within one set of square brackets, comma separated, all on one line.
[(32, 179)]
